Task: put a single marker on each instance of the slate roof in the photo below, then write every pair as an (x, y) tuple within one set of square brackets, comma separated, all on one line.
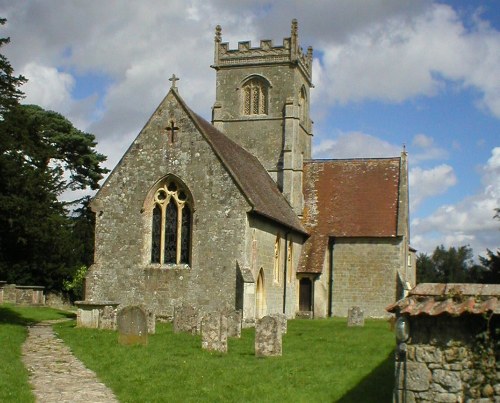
[(251, 177), (455, 299), (348, 198)]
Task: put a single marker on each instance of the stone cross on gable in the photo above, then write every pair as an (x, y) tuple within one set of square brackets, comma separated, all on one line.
[(172, 128), (173, 79)]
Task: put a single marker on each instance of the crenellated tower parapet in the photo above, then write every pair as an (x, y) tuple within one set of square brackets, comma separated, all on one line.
[(265, 54)]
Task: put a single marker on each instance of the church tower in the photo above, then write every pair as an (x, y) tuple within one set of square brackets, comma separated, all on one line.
[(262, 103)]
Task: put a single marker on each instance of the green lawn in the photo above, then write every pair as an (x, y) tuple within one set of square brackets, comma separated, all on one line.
[(323, 361), (14, 385)]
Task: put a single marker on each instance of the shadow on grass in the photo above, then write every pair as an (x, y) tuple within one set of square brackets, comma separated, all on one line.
[(27, 315), (11, 317), (376, 387)]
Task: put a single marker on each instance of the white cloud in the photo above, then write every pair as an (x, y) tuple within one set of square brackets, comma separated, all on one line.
[(426, 150), (355, 145), (403, 57), (468, 222), (425, 183), (47, 86)]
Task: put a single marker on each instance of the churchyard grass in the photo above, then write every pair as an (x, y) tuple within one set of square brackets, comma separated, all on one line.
[(14, 385), (323, 361)]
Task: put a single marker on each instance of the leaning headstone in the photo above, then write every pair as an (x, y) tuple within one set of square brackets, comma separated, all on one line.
[(214, 332), (281, 318), (132, 326), (234, 319), (268, 337), (185, 319), (355, 316)]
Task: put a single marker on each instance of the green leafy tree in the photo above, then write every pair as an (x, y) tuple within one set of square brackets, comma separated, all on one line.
[(43, 155), (452, 265), (10, 94)]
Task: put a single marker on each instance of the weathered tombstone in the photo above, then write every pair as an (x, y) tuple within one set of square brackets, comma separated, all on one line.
[(355, 317), (132, 326), (214, 332), (185, 319), (281, 318), (108, 318), (234, 319), (268, 337), (151, 322)]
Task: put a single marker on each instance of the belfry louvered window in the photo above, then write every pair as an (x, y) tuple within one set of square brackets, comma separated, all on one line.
[(171, 225), (255, 97)]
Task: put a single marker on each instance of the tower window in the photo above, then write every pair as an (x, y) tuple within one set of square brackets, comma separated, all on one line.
[(171, 225), (255, 97)]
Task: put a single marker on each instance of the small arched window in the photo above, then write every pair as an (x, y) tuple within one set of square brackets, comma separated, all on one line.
[(255, 93), (277, 258), (171, 225), (303, 105)]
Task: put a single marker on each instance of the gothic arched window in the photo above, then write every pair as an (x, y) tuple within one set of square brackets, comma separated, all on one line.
[(303, 105), (277, 258), (255, 94), (171, 225)]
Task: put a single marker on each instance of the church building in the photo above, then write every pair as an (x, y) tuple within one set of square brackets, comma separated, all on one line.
[(237, 214)]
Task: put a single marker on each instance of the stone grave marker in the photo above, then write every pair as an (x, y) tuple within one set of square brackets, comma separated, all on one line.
[(234, 319), (268, 337), (214, 332), (281, 318), (185, 319), (355, 316), (132, 324)]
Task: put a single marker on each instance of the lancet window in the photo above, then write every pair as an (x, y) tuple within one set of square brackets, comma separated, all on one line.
[(255, 97), (171, 225)]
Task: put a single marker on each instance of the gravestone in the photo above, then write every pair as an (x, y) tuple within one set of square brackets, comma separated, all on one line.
[(234, 320), (214, 332), (355, 316), (185, 319), (281, 318), (151, 322), (268, 337), (132, 326)]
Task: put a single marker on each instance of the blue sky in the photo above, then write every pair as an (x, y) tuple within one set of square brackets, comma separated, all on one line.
[(387, 73)]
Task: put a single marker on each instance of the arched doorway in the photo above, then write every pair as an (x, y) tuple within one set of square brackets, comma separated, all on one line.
[(305, 295), (260, 298)]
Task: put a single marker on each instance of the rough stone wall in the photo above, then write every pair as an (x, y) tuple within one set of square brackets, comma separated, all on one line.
[(262, 237), (122, 271), (444, 364), (364, 275)]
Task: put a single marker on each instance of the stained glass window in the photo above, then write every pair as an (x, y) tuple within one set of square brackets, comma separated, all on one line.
[(156, 235), (170, 255), (171, 225)]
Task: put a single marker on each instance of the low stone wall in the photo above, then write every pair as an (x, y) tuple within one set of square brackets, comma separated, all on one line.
[(20, 294), (449, 359)]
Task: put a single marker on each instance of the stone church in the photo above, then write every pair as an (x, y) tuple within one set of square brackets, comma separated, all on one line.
[(236, 213)]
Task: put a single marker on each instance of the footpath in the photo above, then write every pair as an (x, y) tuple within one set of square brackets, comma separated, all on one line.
[(56, 375)]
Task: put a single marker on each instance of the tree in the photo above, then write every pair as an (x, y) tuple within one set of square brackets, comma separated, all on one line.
[(10, 94), (42, 155), (452, 265)]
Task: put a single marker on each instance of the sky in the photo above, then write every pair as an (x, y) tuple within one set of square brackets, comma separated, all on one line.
[(388, 75)]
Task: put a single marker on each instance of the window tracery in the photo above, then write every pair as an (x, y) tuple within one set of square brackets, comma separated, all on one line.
[(255, 97), (171, 225)]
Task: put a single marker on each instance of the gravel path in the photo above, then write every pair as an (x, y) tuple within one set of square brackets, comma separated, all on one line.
[(56, 375)]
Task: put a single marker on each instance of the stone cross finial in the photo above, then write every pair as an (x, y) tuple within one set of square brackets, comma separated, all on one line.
[(173, 79), (294, 27)]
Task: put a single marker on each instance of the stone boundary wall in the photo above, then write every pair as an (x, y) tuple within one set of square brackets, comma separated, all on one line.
[(450, 359)]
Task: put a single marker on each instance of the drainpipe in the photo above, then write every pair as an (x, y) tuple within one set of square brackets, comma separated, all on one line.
[(330, 285), (285, 273), (313, 286)]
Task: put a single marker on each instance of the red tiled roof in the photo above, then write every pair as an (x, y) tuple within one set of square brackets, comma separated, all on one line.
[(348, 198), (454, 299)]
